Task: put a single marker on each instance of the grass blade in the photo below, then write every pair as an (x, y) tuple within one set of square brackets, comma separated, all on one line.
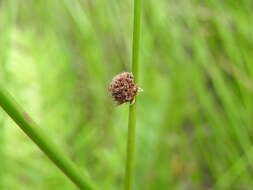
[(44, 143)]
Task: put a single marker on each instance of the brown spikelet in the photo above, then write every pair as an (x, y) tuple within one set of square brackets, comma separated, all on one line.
[(123, 89)]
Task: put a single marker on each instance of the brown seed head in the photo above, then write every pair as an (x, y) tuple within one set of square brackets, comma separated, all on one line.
[(123, 89)]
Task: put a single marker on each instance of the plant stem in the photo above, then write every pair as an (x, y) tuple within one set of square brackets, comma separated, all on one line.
[(34, 132), (129, 173)]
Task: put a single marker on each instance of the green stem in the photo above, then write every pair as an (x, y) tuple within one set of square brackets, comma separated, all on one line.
[(34, 132), (129, 173)]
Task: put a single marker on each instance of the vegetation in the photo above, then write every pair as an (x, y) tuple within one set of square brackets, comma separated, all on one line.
[(132, 115), (195, 114)]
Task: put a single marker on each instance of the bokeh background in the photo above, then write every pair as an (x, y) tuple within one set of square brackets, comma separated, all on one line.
[(194, 131)]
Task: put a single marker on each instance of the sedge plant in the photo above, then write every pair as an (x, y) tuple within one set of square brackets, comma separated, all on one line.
[(129, 172)]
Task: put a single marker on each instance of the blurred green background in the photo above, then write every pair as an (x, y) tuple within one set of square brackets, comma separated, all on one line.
[(194, 131)]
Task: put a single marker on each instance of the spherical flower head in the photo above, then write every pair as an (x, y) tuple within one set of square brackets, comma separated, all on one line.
[(123, 89)]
